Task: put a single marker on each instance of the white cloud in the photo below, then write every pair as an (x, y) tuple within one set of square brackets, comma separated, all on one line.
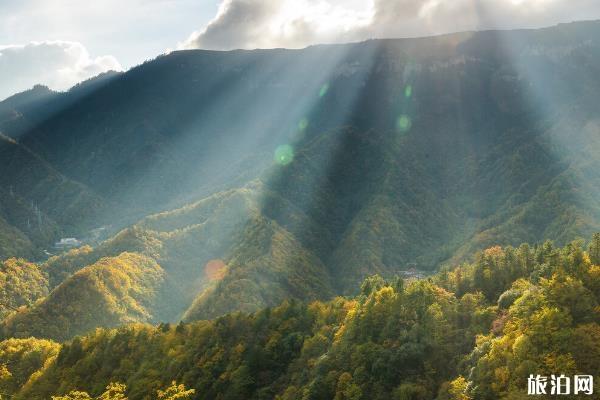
[(57, 64), (298, 23), (277, 23)]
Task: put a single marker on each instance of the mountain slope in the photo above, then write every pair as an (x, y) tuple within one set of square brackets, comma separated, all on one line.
[(219, 242), (37, 203), (262, 272), (21, 284), (111, 292), (447, 337), (255, 176)]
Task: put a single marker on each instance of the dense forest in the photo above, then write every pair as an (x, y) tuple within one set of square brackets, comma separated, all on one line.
[(475, 331)]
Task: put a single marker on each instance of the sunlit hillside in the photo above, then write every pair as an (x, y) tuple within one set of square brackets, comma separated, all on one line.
[(471, 332), (343, 221)]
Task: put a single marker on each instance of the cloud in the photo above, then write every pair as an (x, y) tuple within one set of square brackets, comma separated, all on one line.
[(277, 23), (298, 23), (57, 64)]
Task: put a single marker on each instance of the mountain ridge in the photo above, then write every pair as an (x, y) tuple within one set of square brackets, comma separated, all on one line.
[(297, 173)]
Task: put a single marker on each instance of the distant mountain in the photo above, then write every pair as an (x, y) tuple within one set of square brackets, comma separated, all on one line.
[(18, 112), (250, 177), (37, 203)]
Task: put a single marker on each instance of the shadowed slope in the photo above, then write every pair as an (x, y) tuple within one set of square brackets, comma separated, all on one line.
[(318, 167)]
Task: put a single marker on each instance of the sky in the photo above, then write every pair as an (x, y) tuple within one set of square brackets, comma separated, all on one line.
[(59, 43)]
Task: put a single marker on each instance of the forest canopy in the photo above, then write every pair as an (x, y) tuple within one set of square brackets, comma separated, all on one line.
[(476, 331)]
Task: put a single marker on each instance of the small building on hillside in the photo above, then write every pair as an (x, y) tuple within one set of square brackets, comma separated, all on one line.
[(67, 243)]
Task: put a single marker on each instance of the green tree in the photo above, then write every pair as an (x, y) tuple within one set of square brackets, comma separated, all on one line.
[(372, 284), (347, 389)]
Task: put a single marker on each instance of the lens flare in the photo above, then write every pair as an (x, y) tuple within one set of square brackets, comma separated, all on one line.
[(408, 91), (324, 90), (215, 269), (303, 124), (284, 154), (404, 123)]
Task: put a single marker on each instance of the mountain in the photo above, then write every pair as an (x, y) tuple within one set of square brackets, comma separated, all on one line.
[(38, 204), (263, 271), (18, 113), (472, 332), (22, 284), (251, 177), (111, 292)]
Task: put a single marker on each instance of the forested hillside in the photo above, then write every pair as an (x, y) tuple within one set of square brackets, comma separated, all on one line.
[(252, 177), (37, 203), (472, 332), (21, 284), (111, 292)]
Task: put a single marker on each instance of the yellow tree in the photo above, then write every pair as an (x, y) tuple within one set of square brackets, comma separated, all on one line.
[(175, 392), (114, 391)]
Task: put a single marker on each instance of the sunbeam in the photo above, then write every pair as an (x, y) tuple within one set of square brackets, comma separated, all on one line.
[(307, 200)]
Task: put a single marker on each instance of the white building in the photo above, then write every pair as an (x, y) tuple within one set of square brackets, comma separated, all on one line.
[(67, 243)]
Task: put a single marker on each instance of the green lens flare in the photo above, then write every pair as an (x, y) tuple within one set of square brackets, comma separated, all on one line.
[(284, 154), (408, 91), (324, 90), (403, 124), (303, 124)]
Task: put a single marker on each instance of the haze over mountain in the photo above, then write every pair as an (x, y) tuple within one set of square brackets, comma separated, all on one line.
[(236, 180)]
